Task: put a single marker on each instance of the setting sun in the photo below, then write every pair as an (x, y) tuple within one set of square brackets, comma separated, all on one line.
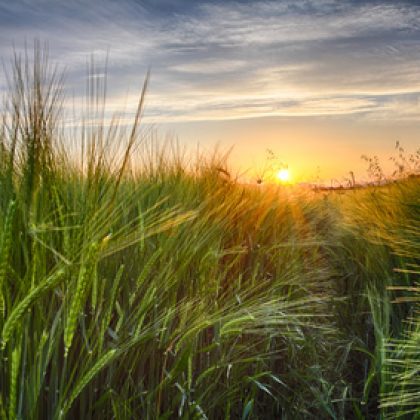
[(283, 175)]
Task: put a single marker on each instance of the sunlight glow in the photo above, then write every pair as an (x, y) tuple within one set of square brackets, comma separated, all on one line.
[(283, 175)]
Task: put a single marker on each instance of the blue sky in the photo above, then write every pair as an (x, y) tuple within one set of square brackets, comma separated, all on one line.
[(223, 69)]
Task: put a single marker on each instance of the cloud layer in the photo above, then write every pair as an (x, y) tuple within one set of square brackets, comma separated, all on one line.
[(217, 60)]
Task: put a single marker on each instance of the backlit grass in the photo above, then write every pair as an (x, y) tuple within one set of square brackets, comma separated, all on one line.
[(136, 283)]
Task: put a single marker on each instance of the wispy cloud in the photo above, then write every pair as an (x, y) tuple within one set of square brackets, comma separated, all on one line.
[(231, 59)]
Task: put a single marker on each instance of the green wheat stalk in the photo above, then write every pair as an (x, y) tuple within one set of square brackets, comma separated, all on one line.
[(77, 301), (17, 313), (111, 302), (5, 251), (102, 362), (14, 372)]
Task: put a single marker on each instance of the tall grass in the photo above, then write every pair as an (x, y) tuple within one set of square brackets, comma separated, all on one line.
[(138, 284)]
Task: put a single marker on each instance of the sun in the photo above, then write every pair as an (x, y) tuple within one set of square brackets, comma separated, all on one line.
[(283, 175)]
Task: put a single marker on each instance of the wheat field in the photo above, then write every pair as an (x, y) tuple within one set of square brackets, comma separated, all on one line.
[(137, 282)]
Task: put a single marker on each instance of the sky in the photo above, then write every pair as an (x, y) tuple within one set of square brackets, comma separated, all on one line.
[(318, 82)]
